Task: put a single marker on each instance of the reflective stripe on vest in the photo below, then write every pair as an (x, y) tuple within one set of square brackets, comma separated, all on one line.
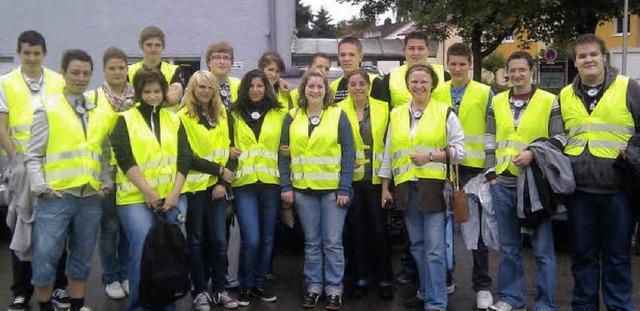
[(315, 159), (606, 130), (157, 160), (472, 114), (167, 70), (259, 158), (210, 144), (430, 136), (72, 157), (379, 116), (18, 98), (534, 124), (398, 90)]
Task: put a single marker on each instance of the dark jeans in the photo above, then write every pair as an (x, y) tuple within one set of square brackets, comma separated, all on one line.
[(366, 221), (601, 230), (207, 240), (21, 285), (480, 274)]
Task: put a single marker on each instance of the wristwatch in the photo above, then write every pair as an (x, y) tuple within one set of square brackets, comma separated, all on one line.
[(430, 157)]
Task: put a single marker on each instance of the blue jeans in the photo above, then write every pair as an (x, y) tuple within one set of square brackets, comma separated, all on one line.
[(54, 219), (113, 244), (206, 222), (511, 272), (137, 219), (427, 235), (601, 230), (322, 222), (257, 211)]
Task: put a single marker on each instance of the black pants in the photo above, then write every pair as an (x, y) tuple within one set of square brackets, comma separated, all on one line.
[(480, 274), (367, 225), (21, 285)]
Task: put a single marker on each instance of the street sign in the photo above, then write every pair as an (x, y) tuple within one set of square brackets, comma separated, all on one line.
[(550, 55)]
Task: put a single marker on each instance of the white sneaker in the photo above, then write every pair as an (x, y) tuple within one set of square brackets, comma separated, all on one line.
[(484, 299), (202, 301), (230, 282), (114, 290), (451, 288), (503, 306), (85, 308), (223, 299), (125, 286)]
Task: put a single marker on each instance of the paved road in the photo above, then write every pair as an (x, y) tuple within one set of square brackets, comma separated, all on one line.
[(288, 284)]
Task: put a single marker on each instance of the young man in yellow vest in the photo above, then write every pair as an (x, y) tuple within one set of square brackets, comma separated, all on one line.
[(219, 59), (416, 51), (67, 159), (152, 44), (516, 118), (469, 100), (349, 56), (21, 91), (601, 111)]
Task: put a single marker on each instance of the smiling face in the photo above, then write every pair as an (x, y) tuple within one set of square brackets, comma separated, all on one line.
[(77, 76), (31, 56), (358, 88), (419, 83), (519, 73), (152, 94), (315, 90), (115, 71), (203, 91), (323, 64), (416, 51), (220, 63), (459, 68), (256, 90), (349, 57), (589, 60)]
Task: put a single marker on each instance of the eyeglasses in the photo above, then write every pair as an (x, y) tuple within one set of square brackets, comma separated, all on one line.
[(226, 58)]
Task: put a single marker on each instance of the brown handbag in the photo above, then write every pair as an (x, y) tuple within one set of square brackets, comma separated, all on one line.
[(453, 193)]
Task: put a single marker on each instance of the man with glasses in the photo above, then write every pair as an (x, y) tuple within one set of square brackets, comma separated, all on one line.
[(219, 58)]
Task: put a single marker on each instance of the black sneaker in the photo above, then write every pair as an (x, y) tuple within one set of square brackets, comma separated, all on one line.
[(243, 298), (310, 300), (60, 299), (19, 303), (334, 302), (261, 293)]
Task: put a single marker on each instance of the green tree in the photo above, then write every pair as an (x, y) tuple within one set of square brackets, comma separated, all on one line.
[(493, 62), (322, 25), (304, 16)]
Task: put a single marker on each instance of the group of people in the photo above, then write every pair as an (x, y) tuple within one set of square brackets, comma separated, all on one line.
[(100, 165)]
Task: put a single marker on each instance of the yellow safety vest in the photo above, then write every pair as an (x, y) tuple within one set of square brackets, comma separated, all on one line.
[(259, 158), (472, 115), (534, 124), (606, 130), (430, 136), (400, 94), (315, 158), (234, 86), (284, 99), (295, 95), (18, 98), (73, 156), (379, 115), (210, 144), (102, 101), (334, 85), (167, 70), (157, 160)]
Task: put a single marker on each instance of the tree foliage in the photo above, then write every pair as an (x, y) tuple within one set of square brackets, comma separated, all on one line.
[(322, 25), (304, 16), (494, 62)]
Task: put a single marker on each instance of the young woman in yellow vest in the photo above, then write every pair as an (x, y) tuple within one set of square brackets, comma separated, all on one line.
[(320, 61), (316, 171), (258, 121), (272, 65), (153, 156), (115, 95), (418, 134), (366, 221), (205, 120)]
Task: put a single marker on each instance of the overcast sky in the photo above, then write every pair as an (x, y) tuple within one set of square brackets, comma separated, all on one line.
[(339, 11)]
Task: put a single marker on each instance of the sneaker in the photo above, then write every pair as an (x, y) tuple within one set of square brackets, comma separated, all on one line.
[(484, 299), (223, 299), (261, 293), (405, 278), (114, 290), (334, 302), (202, 301), (310, 300), (503, 306), (413, 302), (85, 308), (243, 298), (230, 282), (451, 288), (19, 303), (60, 299), (125, 286)]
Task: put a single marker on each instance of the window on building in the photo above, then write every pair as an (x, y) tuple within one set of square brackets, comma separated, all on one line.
[(619, 24)]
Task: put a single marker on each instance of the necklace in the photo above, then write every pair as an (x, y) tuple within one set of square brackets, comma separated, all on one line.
[(417, 114)]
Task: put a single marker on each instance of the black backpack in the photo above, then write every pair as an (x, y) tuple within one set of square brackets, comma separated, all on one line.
[(164, 269)]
